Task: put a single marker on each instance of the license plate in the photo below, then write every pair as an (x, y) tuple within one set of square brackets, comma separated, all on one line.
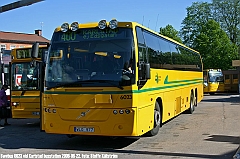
[(83, 129)]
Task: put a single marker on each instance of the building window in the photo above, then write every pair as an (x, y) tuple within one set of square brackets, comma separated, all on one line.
[(3, 47), (12, 47)]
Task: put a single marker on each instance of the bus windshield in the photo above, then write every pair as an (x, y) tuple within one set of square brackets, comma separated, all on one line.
[(91, 57), (215, 77), (25, 77)]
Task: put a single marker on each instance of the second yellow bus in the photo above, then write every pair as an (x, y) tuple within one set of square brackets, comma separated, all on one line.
[(25, 83), (213, 81)]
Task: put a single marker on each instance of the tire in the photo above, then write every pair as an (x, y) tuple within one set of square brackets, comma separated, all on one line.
[(195, 100), (157, 121), (192, 106)]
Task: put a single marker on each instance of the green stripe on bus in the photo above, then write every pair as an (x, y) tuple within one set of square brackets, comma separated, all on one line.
[(179, 81)]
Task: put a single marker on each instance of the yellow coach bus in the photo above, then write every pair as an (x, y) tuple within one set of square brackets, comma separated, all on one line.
[(25, 83), (213, 81), (117, 79)]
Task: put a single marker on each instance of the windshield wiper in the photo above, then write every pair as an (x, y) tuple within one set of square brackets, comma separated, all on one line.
[(76, 83), (109, 82)]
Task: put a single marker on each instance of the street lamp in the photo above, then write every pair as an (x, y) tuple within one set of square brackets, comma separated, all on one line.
[(17, 4)]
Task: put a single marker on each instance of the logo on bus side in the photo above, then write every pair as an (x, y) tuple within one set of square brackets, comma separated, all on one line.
[(83, 114), (157, 78)]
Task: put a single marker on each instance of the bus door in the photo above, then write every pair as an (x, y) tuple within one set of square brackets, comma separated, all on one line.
[(25, 90), (227, 82), (205, 81)]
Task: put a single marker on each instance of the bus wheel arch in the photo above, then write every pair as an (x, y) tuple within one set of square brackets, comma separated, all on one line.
[(157, 118)]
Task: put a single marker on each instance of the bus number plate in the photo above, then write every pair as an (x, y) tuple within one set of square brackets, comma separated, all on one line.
[(83, 129)]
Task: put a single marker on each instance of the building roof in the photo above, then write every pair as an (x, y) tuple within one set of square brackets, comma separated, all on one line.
[(12, 37)]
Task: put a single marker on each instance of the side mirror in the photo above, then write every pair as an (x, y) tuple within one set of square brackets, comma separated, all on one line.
[(35, 49)]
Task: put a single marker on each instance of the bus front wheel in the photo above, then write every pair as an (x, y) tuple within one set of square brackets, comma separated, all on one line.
[(157, 121)]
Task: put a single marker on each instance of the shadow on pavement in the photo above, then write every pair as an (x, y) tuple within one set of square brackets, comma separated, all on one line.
[(223, 138), (234, 99), (26, 134)]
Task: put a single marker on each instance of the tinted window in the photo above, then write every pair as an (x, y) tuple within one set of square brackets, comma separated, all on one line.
[(162, 53), (153, 49), (227, 77), (141, 45), (165, 53), (176, 57), (235, 76)]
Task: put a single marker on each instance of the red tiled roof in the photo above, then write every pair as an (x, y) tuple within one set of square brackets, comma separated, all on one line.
[(21, 37)]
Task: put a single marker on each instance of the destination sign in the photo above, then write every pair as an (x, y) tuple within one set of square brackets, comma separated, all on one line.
[(23, 53), (26, 53), (99, 34), (91, 34)]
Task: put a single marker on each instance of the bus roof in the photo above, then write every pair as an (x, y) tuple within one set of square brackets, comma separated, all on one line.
[(127, 25)]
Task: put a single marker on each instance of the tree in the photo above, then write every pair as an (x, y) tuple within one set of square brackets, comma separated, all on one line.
[(214, 46), (170, 32), (197, 15), (227, 13)]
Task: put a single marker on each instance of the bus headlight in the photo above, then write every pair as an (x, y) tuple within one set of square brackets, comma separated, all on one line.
[(127, 111), (64, 27), (46, 109), (15, 104), (102, 24), (113, 24), (74, 26), (115, 111), (121, 111)]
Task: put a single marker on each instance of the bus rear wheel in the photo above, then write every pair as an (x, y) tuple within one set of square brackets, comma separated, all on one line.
[(192, 106), (195, 99), (157, 121)]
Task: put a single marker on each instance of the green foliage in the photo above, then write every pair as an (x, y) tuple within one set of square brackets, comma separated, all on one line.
[(170, 32), (213, 29), (197, 15), (215, 47), (227, 13)]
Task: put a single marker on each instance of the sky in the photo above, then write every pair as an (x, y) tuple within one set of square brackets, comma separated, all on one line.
[(49, 14)]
